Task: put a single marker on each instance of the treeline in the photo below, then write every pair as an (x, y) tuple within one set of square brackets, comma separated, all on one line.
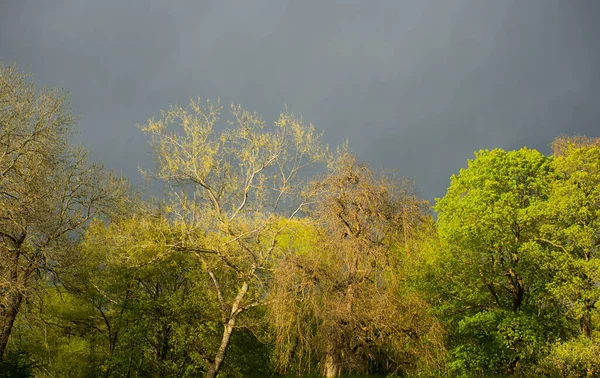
[(269, 254)]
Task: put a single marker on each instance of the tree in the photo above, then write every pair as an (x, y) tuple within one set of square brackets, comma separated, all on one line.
[(489, 220), (572, 229), (235, 187), (48, 191), (486, 214), (339, 301), (145, 302), (563, 144)]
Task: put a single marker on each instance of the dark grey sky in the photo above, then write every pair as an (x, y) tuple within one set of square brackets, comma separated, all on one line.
[(415, 86)]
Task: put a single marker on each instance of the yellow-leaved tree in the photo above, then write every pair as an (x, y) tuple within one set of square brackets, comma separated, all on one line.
[(235, 185), (341, 300)]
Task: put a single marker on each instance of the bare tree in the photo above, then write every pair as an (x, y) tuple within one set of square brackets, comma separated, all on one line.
[(235, 185), (48, 191)]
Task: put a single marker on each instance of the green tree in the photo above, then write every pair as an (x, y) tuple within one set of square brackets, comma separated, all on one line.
[(131, 306), (128, 307), (231, 185), (146, 299), (572, 231), (48, 191), (577, 357), (490, 224)]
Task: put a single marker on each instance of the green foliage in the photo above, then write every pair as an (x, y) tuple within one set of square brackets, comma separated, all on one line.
[(516, 265), (488, 219), (251, 259), (16, 365), (126, 308), (491, 338), (571, 234), (247, 357), (578, 357), (49, 192), (150, 299), (230, 186), (488, 222)]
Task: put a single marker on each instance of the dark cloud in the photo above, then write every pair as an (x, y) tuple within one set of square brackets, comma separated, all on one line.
[(414, 85)]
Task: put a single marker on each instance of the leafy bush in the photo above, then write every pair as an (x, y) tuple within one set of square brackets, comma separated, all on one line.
[(578, 357)]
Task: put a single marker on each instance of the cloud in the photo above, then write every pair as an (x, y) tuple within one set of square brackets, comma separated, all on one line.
[(415, 86)]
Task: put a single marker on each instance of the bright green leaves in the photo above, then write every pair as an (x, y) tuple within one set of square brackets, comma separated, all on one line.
[(489, 217), (148, 301), (490, 221), (574, 358), (487, 202), (572, 232), (495, 341), (523, 234)]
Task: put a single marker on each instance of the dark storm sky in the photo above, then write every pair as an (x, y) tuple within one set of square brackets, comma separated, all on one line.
[(415, 86)]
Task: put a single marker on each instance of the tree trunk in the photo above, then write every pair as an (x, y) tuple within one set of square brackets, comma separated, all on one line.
[(7, 319), (586, 323), (332, 369), (517, 288), (586, 319), (215, 366)]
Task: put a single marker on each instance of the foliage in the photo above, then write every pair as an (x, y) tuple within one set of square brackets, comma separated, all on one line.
[(562, 144), (251, 266), (16, 365), (148, 300), (48, 190), (577, 357), (230, 187), (339, 302), (572, 232), (489, 222), (488, 216), (521, 224)]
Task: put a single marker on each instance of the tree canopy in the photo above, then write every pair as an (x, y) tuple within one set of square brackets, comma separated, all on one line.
[(48, 190), (268, 253)]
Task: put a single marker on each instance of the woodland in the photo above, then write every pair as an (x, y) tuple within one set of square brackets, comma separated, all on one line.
[(267, 253)]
